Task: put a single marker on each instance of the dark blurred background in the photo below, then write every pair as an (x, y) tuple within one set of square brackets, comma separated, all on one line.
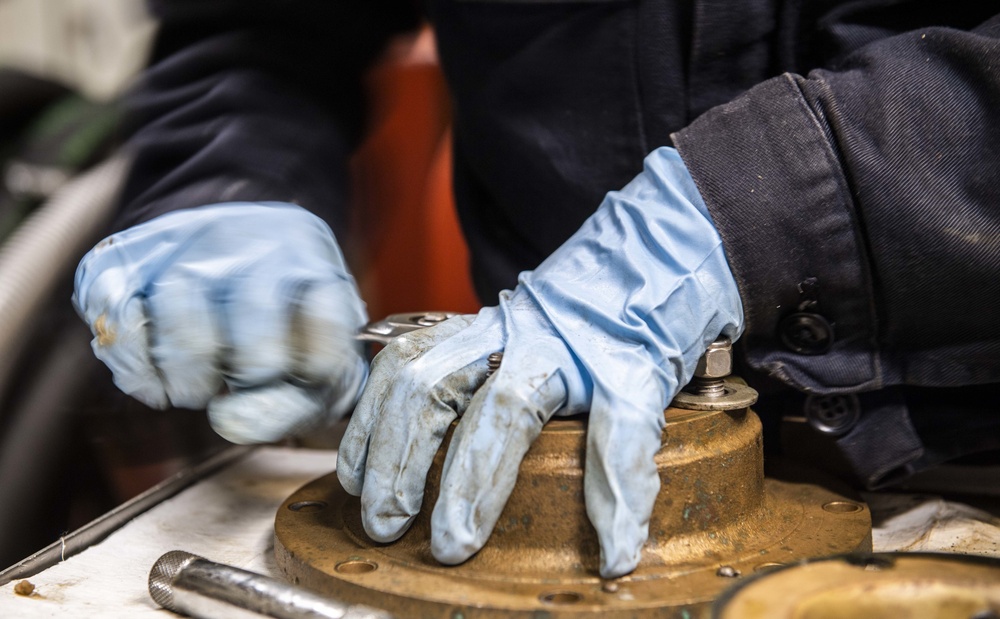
[(71, 446)]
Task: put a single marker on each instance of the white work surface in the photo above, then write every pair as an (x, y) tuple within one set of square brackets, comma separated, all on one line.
[(229, 517)]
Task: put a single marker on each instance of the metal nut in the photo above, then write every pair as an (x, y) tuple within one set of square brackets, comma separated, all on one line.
[(717, 362)]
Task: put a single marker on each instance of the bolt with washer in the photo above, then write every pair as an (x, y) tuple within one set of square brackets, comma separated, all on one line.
[(713, 367), (708, 389)]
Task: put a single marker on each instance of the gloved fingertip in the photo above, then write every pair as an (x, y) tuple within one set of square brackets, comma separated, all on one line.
[(192, 399), (388, 510), (350, 477), (348, 387), (385, 528), (152, 395), (143, 386), (453, 541), (191, 385), (454, 546), (265, 414), (620, 559)]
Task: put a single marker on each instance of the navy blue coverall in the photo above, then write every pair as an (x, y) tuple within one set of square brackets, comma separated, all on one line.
[(849, 153)]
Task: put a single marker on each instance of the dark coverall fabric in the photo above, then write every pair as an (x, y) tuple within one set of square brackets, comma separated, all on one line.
[(849, 153)]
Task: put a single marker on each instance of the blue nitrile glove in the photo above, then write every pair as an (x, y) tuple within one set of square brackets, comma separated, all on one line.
[(246, 308), (613, 322)]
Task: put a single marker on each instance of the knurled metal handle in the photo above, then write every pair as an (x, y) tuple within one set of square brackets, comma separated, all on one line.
[(191, 585)]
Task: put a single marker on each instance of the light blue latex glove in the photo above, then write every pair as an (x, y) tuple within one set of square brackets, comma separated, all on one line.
[(613, 322), (246, 308)]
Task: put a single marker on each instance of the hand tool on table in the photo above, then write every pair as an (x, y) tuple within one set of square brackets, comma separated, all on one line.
[(191, 585)]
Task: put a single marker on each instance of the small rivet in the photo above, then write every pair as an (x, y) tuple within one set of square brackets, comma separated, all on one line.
[(727, 571), (609, 587)]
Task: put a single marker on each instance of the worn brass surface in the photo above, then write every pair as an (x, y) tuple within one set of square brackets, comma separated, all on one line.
[(715, 510), (880, 586)]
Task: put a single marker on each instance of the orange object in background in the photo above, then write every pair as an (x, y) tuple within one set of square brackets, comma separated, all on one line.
[(414, 257)]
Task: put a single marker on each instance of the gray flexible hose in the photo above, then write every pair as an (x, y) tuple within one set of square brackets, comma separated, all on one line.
[(43, 248)]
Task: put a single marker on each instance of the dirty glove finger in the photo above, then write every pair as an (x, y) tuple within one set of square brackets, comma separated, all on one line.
[(323, 348), (353, 451), (503, 420), (255, 296), (116, 314), (184, 342), (620, 478), (256, 326), (294, 364), (324, 323), (268, 413), (427, 395)]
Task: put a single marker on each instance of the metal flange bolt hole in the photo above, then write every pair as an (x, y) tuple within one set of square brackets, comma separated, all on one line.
[(356, 566), (561, 597), (842, 507)]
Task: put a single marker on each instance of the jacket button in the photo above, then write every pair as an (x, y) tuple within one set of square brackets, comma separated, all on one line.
[(833, 414), (806, 334)]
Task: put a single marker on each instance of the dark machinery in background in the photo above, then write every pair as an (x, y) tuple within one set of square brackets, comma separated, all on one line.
[(71, 446)]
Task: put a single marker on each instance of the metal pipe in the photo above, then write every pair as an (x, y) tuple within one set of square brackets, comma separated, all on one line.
[(98, 529), (188, 584)]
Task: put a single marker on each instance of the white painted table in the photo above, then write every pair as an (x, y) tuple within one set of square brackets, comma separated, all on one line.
[(228, 517)]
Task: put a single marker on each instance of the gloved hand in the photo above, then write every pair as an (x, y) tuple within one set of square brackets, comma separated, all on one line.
[(246, 308), (613, 322)]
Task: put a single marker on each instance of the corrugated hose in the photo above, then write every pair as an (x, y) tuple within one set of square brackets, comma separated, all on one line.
[(45, 246)]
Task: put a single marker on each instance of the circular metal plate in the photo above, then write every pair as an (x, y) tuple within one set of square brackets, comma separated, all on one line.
[(716, 519), (879, 586)]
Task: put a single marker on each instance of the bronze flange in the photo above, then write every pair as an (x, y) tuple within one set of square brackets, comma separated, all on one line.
[(879, 586), (716, 517)]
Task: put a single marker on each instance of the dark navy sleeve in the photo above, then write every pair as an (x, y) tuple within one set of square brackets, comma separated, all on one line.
[(860, 210), (253, 100)]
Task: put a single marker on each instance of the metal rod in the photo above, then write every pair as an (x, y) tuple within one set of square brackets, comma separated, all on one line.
[(188, 584), (96, 530)]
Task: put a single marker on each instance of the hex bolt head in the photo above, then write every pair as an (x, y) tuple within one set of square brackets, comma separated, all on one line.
[(708, 389), (717, 362)]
